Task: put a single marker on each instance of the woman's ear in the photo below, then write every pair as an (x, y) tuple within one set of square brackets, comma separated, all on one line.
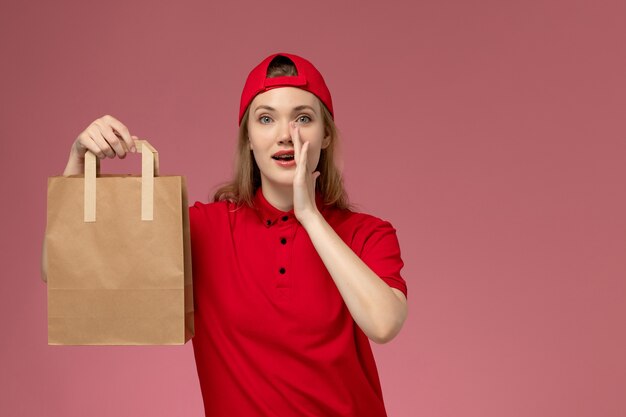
[(326, 141)]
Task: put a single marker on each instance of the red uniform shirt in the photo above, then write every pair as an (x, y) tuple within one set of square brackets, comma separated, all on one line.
[(273, 334)]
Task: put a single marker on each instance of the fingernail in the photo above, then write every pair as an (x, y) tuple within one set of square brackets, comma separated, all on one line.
[(133, 149)]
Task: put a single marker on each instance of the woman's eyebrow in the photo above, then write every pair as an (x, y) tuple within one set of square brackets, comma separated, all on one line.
[(295, 109), (298, 108), (263, 106)]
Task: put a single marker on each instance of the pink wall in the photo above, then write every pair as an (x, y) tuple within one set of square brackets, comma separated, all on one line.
[(490, 133)]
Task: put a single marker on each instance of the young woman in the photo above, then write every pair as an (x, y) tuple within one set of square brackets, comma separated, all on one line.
[(290, 285)]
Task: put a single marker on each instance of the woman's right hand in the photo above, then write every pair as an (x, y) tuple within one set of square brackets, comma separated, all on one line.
[(105, 137)]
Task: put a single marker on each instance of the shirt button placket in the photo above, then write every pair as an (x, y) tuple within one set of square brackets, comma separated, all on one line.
[(283, 283)]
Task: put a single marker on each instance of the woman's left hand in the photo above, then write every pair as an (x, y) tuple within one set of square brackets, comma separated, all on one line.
[(304, 206)]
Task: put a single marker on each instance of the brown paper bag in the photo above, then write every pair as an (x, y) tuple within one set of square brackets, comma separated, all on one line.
[(119, 257)]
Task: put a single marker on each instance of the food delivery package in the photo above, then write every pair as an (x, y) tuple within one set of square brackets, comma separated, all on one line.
[(118, 256)]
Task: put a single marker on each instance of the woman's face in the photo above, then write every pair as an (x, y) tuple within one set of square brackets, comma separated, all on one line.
[(270, 135)]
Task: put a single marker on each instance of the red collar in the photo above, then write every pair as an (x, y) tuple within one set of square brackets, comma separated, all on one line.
[(269, 214)]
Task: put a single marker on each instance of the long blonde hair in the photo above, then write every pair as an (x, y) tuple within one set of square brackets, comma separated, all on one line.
[(247, 177)]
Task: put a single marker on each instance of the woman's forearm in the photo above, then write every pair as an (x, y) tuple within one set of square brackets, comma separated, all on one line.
[(378, 311), (75, 164)]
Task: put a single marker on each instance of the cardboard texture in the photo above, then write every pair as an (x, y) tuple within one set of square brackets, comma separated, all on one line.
[(119, 257)]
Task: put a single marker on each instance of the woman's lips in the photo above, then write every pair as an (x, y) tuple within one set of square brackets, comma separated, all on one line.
[(284, 162)]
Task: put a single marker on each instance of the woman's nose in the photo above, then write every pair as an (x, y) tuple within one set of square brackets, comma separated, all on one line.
[(284, 134)]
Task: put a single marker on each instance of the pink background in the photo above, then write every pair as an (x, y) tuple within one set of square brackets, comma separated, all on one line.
[(490, 133)]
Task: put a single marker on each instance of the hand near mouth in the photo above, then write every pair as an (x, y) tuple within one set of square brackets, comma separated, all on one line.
[(303, 181)]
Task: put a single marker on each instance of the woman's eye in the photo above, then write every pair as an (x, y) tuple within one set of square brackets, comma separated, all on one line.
[(304, 119), (265, 119)]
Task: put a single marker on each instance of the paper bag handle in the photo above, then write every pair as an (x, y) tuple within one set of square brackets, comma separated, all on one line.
[(149, 170)]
